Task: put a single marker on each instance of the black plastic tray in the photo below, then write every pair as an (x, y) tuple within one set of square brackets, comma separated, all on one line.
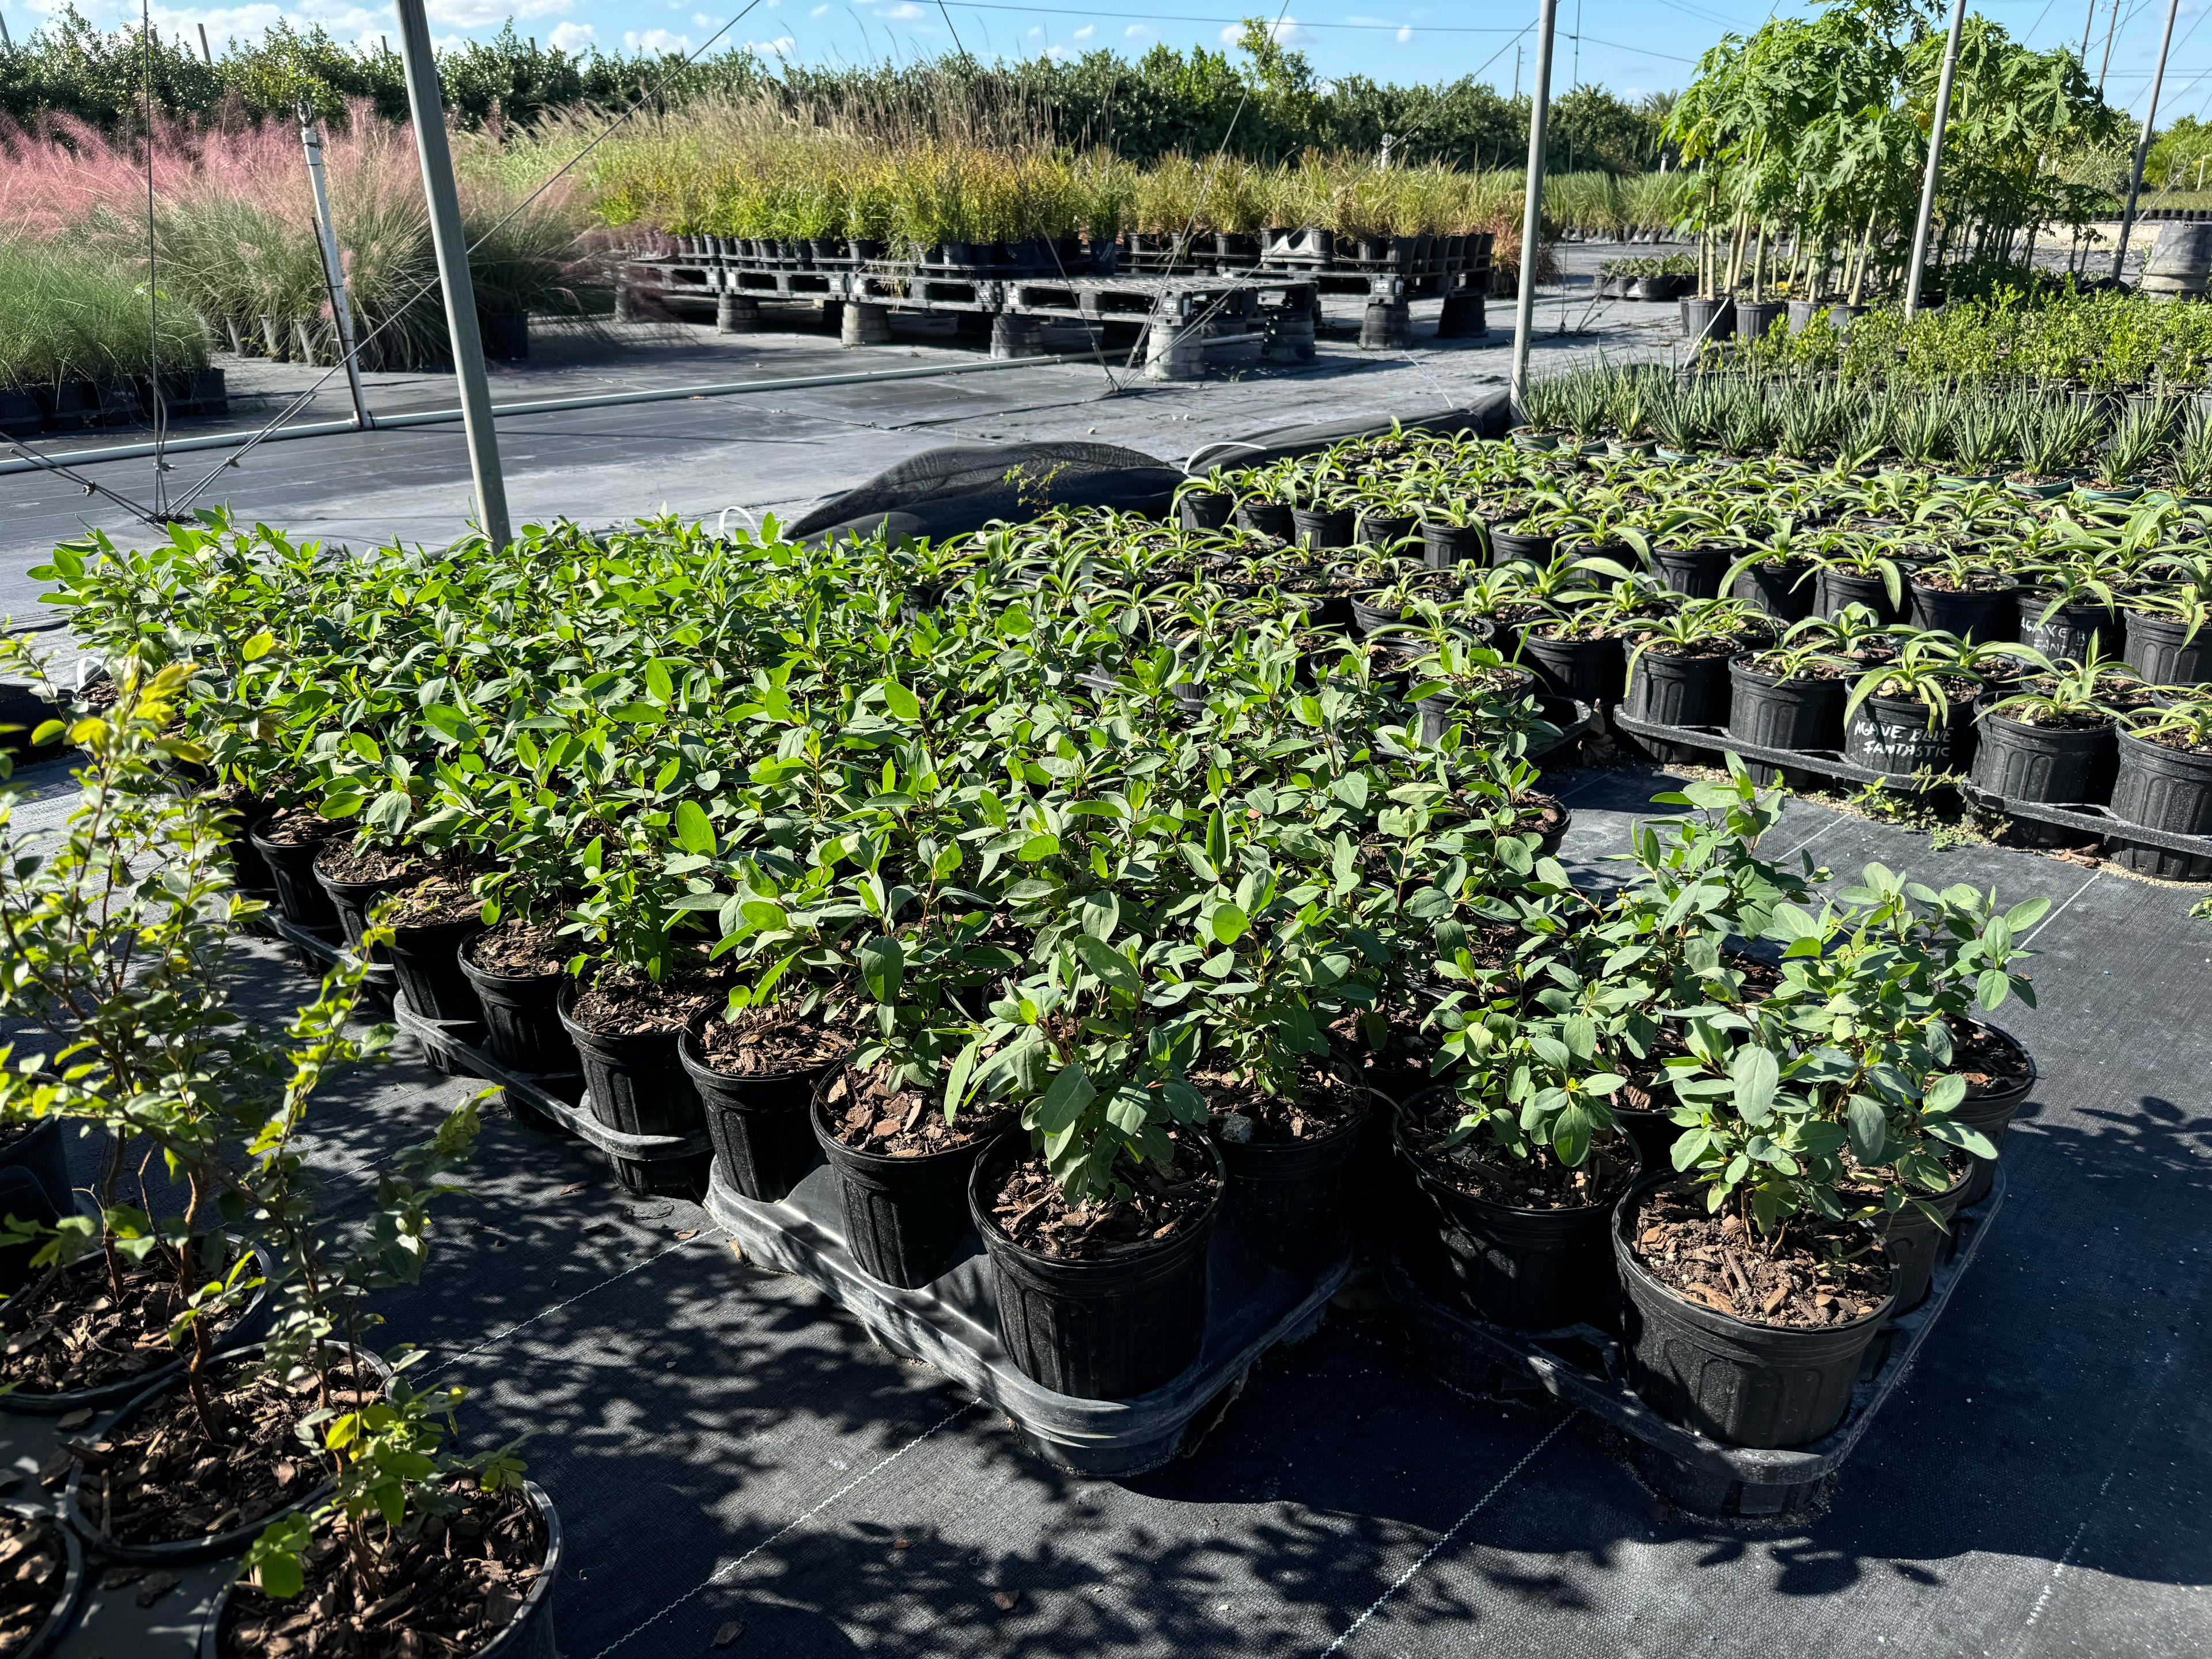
[(1585, 1366), (952, 1325)]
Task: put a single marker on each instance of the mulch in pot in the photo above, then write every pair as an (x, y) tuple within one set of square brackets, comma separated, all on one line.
[(1033, 1211), (435, 902), (75, 1336), (450, 1590), (301, 826), (34, 1571), (871, 1113), (769, 1043), (1818, 1272), (619, 1004), (1991, 1064), (1321, 1100), (165, 1481), (1538, 1181), (348, 863), (522, 950)]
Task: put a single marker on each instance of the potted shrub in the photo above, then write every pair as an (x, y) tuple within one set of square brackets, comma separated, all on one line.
[(1912, 714), (1789, 694), (2051, 736), (2166, 641), (2165, 782), (1678, 665)]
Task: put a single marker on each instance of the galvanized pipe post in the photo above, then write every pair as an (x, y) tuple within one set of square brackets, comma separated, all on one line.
[(1935, 159), (1532, 214), (451, 245), (2143, 143), (334, 277)]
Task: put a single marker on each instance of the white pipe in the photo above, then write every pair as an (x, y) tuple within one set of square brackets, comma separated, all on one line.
[(2143, 144), (1532, 214), (541, 406), (334, 277), (1934, 159)]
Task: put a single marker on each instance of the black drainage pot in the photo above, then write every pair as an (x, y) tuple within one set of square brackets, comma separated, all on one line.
[(2162, 788), (1096, 1330), (1653, 1131), (1368, 619), (522, 1018), (1678, 692), (1989, 613), (2056, 764), (1384, 529), (1838, 588), (1267, 518), (1287, 1197), (301, 899), (1804, 714), (427, 961), (1589, 671), (41, 1155), (1783, 591), (1892, 735), (762, 1141), (1205, 509), (1992, 1111), (638, 1086), (1444, 545), (1324, 526), (1534, 1270), (2157, 649), (63, 1613), (2070, 629), (905, 1217), (1914, 1243), (1695, 571), (181, 1552), (528, 1633), (352, 900), (1506, 547), (1760, 1386), (1441, 712)]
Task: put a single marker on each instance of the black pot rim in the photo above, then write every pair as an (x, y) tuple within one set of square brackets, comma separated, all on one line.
[(994, 1238), (1413, 1157), (1741, 663), (2190, 757), (1702, 1317), (1344, 1131), (834, 1148), (476, 972), (693, 1054), (47, 1637)]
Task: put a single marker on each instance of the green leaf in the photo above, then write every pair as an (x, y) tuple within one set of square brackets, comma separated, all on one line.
[(1870, 1127), (1992, 987), (1038, 846), (883, 968), (1109, 964), (1063, 1101), (1944, 1093), (902, 703), (258, 647), (1756, 1075), (1227, 924), (658, 684), (956, 1081), (694, 833)]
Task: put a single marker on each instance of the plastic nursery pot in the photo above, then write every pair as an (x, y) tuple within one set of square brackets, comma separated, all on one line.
[(426, 959), (1805, 713), (1991, 1110), (636, 1086), (1287, 1198), (2053, 764), (1097, 1330), (1979, 614), (2069, 630), (1266, 519), (1753, 317), (1694, 572), (79, 1505), (1534, 1270), (249, 864), (1782, 590), (1759, 1386), (1381, 529), (762, 1141), (1324, 526), (2157, 650), (521, 1016), (300, 898), (1444, 545), (528, 1633), (1505, 547), (108, 1395), (1892, 735), (1440, 713), (1679, 691), (40, 1153), (1838, 588), (1708, 320), (352, 900), (1373, 619), (1914, 1243), (2162, 788), (1205, 509), (62, 1613), (905, 1217), (1589, 671)]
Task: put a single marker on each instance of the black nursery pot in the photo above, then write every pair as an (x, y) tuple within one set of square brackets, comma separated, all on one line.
[(1781, 591), (1097, 1330), (2058, 764), (2156, 650), (1534, 1270), (522, 1018), (1840, 588), (1892, 735), (1444, 545), (2069, 630), (1441, 712), (1806, 714), (1678, 692), (1505, 547), (1759, 1386), (427, 961), (1205, 509), (1694, 572), (638, 1086), (1287, 1197), (1992, 1111), (2162, 788), (1267, 518), (47, 1636), (1324, 526), (1590, 671), (1914, 1244), (352, 901), (300, 898), (762, 1141), (1983, 614), (905, 1217), (1381, 529), (249, 864)]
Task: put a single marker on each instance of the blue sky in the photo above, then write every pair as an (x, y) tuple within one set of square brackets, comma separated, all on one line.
[(1631, 46)]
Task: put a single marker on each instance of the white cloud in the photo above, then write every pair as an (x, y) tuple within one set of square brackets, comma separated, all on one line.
[(1036, 34), (777, 48), (655, 40), (572, 37), (1135, 32), (1086, 31), (1404, 35), (482, 14), (905, 14), (819, 11), (699, 19), (1056, 52)]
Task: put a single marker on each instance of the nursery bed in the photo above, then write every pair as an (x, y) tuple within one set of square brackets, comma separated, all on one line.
[(725, 1450)]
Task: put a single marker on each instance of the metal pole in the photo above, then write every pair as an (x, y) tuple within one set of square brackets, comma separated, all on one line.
[(2143, 144), (451, 244), (1532, 213), (206, 56), (1934, 159), (4, 40), (334, 279)]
